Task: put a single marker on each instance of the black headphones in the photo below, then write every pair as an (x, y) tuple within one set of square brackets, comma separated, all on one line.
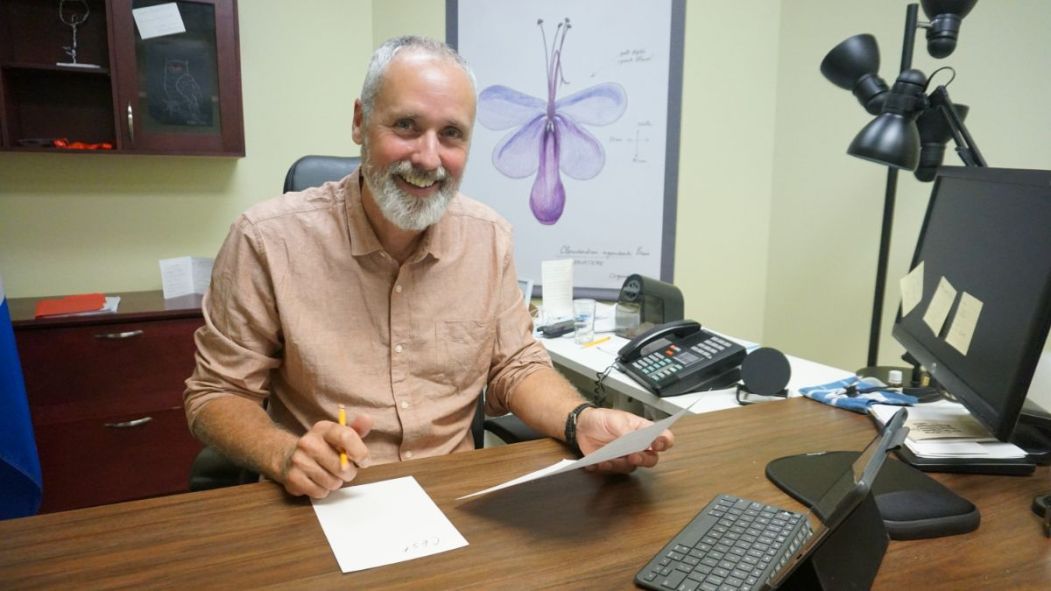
[(764, 372)]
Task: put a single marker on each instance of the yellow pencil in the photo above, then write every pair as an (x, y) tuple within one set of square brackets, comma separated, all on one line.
[(342, 422), (596, 342)]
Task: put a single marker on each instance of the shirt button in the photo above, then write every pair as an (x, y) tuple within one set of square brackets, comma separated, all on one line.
[(405, 404), (408, 455), (397, 348), (397, 289)]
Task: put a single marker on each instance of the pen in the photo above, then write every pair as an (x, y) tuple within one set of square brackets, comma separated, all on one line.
[(343, 423), (598, 341)]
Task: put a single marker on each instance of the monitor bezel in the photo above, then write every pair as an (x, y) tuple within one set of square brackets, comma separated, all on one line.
[(1000, 422)]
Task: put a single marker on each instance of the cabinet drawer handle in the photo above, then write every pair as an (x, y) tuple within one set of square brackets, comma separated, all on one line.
[(119, 335), (128, 424)]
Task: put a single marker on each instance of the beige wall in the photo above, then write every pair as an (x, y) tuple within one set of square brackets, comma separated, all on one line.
[(777, 228), (75, 223), (827, 206)]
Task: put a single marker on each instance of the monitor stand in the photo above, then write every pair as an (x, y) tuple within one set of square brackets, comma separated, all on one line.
[(1033, 432)]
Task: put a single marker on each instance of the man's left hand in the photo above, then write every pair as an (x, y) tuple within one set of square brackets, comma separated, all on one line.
[(598, 426)]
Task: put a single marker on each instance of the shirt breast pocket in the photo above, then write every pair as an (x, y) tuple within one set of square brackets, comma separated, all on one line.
[(465, 348)]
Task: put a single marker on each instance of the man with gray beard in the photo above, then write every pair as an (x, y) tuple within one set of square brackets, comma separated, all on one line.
[(389, 294)]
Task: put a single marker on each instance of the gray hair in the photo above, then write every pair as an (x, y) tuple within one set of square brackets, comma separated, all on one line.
[(384, 55)]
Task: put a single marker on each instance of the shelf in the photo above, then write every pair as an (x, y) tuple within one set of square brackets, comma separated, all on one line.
[(55, 68)]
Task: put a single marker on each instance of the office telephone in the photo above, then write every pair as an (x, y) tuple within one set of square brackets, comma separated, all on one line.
[(679, 357)]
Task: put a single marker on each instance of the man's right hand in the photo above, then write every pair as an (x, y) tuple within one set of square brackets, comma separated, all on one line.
[(312, 466)]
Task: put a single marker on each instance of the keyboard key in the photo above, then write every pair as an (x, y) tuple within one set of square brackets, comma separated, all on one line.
[(673, 580)]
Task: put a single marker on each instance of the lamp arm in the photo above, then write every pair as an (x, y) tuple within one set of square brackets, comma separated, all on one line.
[(965, 145), (909, 42)]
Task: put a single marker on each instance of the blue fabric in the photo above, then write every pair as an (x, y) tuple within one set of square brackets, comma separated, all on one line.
[(20, 481), (857, 394)]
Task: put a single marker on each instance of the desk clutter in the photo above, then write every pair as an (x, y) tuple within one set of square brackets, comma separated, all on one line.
[(857, 394), (79, 304)]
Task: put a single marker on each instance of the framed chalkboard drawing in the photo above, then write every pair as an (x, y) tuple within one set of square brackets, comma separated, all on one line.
[(577, 137)]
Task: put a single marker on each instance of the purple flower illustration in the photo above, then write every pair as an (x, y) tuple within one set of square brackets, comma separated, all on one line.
[(549, 136)]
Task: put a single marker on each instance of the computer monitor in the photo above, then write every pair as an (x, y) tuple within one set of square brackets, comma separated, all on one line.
[(987, 232)]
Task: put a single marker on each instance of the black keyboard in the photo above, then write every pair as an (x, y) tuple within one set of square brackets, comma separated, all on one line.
[(732, 543)]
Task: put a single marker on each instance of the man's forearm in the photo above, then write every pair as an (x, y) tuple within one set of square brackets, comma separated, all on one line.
[(543, 401), (242, 431)]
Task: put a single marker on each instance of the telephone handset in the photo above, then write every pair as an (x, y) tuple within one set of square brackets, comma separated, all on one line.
[(679, 357)]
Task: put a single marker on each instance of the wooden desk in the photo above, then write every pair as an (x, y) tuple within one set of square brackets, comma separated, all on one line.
[(573, 531)]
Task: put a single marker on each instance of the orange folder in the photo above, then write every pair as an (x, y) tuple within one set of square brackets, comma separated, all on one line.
[(72, 304)]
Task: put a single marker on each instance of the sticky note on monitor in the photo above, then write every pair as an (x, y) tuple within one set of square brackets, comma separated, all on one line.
[(961, 331), (941, 303), (911, 289)]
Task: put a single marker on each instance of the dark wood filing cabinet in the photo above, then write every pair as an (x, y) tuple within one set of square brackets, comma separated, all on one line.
[(105, 394)]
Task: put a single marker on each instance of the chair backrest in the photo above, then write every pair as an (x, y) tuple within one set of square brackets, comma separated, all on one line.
[(314, 171)]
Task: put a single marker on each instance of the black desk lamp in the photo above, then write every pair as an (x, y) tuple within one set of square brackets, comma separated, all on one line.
[(911, 128)]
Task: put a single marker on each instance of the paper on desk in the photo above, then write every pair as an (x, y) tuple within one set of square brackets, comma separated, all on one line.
[(557, 279), (385, 522), (185, 275), (628, 443), (941, 448), (946, 430), (605, 317), (109, 307)]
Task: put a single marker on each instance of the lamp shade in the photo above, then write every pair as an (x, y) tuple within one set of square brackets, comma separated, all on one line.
[(892, 138), (935, 132), (945, 16), (889, 139), (854, 65)]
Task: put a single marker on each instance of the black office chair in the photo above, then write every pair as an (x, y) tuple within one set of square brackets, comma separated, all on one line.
[(314, 171), (211, 469)]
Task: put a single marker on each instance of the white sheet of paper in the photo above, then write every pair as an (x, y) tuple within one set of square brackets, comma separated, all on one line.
[(605, 317), (385, 522), (159, 20), (961, 331), (625, 444), (940, 448), (911, 289), (984, 446), (185, 275), (941, 303), (557, 289), (108, 308)]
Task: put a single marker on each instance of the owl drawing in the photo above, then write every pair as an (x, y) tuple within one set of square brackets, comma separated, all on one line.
[(183, 97)]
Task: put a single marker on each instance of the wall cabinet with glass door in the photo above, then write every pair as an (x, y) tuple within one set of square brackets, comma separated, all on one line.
[(120, 76)]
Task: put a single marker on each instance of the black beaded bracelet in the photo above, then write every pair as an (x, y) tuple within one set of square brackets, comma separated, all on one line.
[(571, 426)]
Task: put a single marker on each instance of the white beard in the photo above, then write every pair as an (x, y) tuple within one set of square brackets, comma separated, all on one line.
[(400, 208)]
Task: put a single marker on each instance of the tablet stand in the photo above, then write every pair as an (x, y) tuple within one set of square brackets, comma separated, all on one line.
[(912, 504), (849, 557)]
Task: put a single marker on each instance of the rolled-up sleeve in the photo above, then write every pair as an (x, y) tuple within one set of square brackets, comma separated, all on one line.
[(517, 354), (240, 342)]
